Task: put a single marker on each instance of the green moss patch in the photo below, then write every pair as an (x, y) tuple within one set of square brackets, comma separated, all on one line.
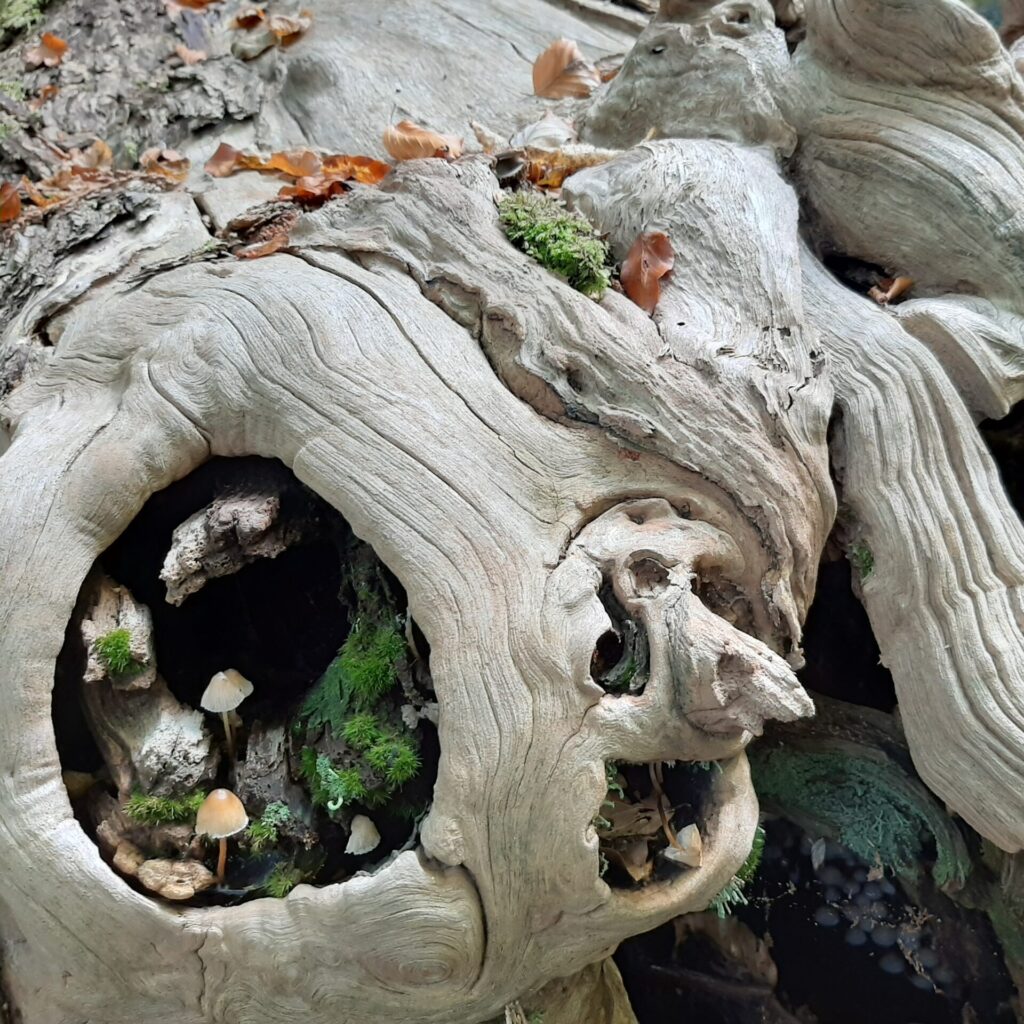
[(868, 805), (164, 810), (557, 239)]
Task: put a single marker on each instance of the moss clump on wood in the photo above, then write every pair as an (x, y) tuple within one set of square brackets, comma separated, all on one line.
[(282, 880), (867, 804), (863, 560), (115, 650), (361, 674), (16, 15), (163, 810), (557, 239)]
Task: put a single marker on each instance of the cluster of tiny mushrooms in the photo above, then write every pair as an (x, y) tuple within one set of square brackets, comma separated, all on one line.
[(222, 815)]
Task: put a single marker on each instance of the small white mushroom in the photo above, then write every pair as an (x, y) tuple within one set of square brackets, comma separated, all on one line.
[(688, 848), (226, 692), (364, 836), (221, 815)]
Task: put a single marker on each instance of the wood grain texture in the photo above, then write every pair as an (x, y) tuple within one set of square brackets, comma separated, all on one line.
[(509, 447)]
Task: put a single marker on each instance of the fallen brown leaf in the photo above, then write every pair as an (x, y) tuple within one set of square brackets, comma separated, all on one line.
[(548, 169), (363, 169), (608, 67), (190, 56), (223, 162), (43, 96), (633, 858), (49, 51), (98, 156), (196, 5), (249, 17), (889, 289), (36, 196), (561, 71), (271, 235), (314, 191), (626, 818), (288, 28), (649, 259), (10, 202), (168, 163), (408, 141)]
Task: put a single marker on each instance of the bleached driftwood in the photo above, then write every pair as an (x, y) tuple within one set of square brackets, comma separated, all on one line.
[(148, 739), (496, 437)]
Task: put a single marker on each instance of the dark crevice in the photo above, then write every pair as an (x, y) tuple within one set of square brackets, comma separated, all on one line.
[(281, 622)]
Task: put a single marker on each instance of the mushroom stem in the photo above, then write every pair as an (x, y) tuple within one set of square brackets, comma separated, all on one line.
[(222, 861), (227, 733)]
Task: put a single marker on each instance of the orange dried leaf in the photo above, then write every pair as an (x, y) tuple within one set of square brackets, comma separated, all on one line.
[(196, 5), (649, 259), (561, 71), (288, 28), (43, 96), (314, 190), (608, 67), (408, 141), (363, 169), (168, 163), (37, 197), (98, 156), (10, 202), (50, 51), (889, 289), (223, 162), (249, 17), (296, 163), (190, 56)]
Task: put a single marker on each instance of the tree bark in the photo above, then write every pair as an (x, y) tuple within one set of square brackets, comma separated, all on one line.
[(514, 451)]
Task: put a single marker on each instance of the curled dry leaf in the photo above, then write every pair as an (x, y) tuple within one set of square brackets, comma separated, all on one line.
[(608, 67), (550, 132), (43, 96), (190, 56), (288, 28), (889, 289), (98, 156), (196, 5), (561, 71), (10, 202), (408, 141), (298, 164), (649, 259), (168, 163), (549, 168), (50, 51), (249, 17), (37, 197), (270, 236)]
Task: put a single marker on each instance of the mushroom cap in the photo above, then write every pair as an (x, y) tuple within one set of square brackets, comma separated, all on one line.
[(226, 691), (363, 837), (221, 815)]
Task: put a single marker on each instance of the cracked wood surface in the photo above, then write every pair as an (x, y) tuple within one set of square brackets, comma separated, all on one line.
[(490, 432)]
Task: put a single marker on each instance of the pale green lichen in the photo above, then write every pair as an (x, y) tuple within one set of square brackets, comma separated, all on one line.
[(265, 830), (557, 239)]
